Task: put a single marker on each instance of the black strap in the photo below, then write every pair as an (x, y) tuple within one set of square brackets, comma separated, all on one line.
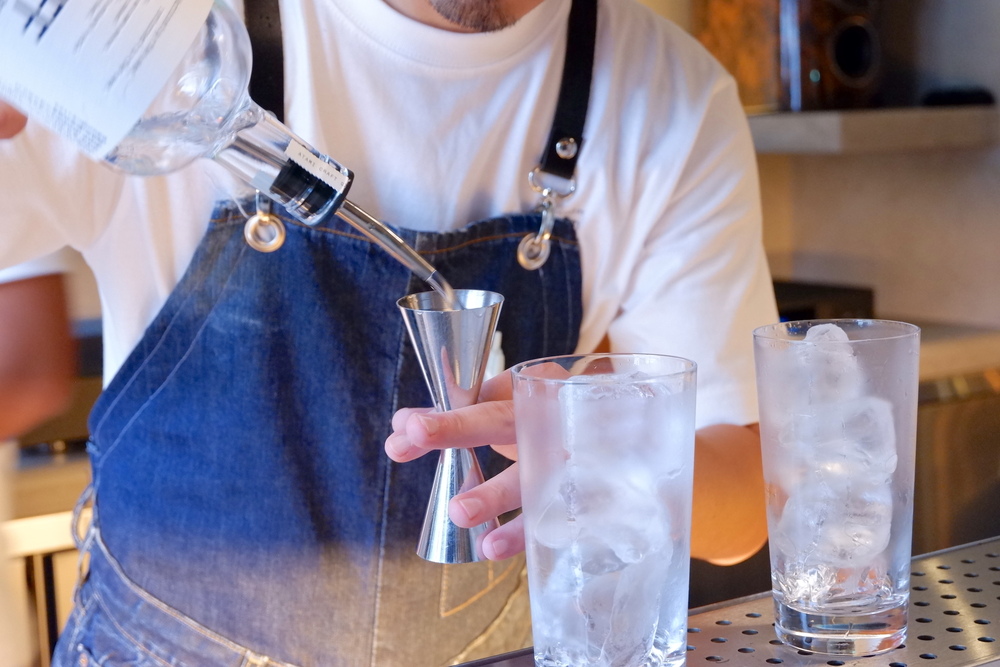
[(267, 78), (574, 91)]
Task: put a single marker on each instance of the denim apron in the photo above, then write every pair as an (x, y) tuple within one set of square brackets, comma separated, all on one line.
[(244, 511)]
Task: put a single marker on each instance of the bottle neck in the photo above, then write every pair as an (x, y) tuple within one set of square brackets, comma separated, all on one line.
[(264, 153)]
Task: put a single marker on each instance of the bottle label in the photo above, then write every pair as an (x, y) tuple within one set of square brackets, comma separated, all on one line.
[(88, 69), (330, 174)]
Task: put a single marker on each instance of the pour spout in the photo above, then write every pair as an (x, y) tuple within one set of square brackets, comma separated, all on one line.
[(379, 232)]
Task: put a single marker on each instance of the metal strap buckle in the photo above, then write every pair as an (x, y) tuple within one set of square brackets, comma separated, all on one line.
[(533, 250)]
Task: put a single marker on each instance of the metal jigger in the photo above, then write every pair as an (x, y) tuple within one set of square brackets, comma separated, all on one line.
[(452, 342)]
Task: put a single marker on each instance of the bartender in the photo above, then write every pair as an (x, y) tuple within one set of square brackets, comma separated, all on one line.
[(244, 510)]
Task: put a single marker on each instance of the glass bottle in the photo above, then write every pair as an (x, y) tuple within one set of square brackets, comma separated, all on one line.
[(203, 110)]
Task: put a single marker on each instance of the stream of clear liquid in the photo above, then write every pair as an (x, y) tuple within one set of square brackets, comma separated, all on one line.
[(437, 282)]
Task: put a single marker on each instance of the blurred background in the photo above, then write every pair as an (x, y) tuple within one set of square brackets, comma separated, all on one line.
[(878, 145)]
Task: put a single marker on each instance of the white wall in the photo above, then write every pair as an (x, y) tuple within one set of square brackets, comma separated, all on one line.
[(922, 228)]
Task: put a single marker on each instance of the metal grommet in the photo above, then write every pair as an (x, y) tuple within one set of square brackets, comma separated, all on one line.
[(567, 148), (533, 251), (264, 232)]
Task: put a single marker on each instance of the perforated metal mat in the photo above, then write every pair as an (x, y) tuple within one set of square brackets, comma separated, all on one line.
[(954, 620)]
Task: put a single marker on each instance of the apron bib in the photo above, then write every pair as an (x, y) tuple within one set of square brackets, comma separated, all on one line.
[(244, 510)]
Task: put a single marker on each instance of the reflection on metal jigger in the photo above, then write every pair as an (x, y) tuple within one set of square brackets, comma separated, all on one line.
[(452, 346)]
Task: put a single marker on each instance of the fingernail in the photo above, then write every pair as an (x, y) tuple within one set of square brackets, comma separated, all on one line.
[(430, 425), (496, 549), (471, 506), (398, 447)]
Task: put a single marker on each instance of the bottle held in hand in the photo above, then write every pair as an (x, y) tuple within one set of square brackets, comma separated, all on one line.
[(111, 78)]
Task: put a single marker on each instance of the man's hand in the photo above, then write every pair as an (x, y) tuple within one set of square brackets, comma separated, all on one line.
[(728, 522), (12, 121), (490, 422)]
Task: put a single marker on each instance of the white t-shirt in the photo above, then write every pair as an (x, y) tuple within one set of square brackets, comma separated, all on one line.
[(442, 129), (56, 262)]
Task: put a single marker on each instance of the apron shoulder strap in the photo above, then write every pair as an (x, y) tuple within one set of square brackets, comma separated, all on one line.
[(267, 78), (566, 135)]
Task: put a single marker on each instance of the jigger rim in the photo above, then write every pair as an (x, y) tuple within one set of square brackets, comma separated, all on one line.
[(469, 299)]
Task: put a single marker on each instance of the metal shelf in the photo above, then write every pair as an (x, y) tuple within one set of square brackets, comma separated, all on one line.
[(876, 130), (954, 621)]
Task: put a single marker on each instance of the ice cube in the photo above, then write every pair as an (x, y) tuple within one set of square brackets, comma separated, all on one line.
[(857, 530), (621, 424), (843, 524), (828, 333), (612, 518), (829, 367), (553, 527), (548, 605), (869, 425), (854, 439), (635, 612), (798, 529)]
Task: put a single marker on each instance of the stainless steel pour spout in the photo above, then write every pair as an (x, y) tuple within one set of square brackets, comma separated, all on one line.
[(452, 342)]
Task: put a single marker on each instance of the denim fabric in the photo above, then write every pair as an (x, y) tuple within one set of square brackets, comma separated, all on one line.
[(240, 483), (131, 628)]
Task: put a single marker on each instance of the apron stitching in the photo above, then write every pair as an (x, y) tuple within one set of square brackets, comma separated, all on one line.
[(436, 251), (400, 347), (161, 606), (493, 583), (149, 357), (542, 273), (379, 569), (577, 315), (180, 362), (487, 239), (132, 379), (99, 599)]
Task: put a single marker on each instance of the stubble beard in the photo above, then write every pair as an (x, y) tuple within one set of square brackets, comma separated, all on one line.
[(475, 15)]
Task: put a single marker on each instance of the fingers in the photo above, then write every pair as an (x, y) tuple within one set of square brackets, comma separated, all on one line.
[(497, 388), (497, 495), (505, 541), (12, 121), (417, 432), (494, 497), (489, 422), (399, 419)]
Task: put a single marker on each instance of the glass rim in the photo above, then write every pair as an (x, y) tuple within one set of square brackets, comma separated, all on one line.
[(905, 329), (684, 366)]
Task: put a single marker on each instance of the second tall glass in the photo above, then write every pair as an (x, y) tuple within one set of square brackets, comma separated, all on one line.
[(838, 412)]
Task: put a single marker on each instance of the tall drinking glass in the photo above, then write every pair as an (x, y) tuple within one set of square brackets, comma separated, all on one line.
[(606, 451), (838, 413)]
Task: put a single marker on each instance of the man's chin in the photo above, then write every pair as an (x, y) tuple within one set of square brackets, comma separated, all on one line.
[(474, 15)]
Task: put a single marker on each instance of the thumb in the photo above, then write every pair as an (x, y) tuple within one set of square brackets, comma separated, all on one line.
[(12, 121)]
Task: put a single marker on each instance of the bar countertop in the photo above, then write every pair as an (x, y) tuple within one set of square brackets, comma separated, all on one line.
[(954, 621)]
